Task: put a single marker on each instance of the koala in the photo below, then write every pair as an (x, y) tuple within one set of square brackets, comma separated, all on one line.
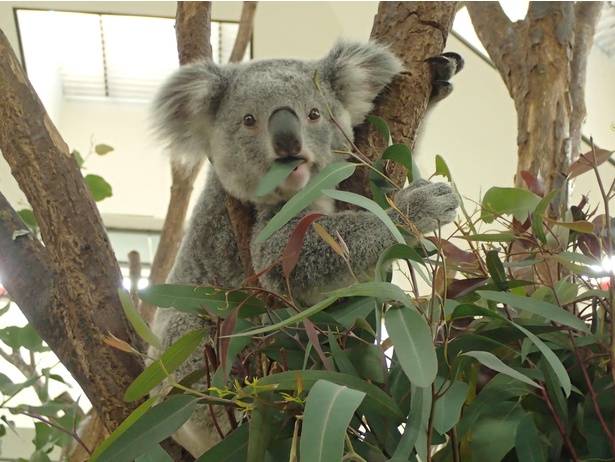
[(244, 117)]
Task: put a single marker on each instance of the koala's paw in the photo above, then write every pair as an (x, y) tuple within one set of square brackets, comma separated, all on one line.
[(445, 67), (427, 204)]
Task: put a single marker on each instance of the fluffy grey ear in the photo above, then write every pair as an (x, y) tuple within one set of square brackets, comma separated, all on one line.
[(357, 72), (185, 106)]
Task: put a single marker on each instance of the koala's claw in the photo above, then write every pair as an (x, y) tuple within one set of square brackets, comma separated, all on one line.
[(445, 67)]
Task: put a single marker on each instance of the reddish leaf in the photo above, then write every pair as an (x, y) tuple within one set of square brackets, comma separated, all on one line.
[(586, 162), (226, 329), (312, 334), (463, 258), (291, 253), (589, 245), (534, 184), (462, 287)]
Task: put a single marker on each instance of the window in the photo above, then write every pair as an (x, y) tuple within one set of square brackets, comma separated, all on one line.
[(107, 56)]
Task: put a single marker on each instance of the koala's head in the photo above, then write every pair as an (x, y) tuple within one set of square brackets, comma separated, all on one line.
[(245, 117)]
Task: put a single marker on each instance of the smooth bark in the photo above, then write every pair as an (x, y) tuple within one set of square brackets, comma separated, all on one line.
[(543, 62)]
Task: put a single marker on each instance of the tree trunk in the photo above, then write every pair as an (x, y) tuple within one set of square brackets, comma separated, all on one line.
[(67, 289), (546, 52), (414, 31)]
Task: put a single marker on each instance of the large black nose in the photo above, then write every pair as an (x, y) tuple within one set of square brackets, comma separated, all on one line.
[(285, 132)]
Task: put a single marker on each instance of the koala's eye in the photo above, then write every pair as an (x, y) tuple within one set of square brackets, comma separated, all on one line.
[(314, 114), (249, 120)]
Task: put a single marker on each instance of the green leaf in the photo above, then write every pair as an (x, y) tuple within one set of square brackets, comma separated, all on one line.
[(397, 252), (326, 179), (99, 188), (78, 157), (414, 346), (503, 201), (125, 425), (496, 269), (448, 407), (494, 434), (291, 320), (202, 300), (328, 410), (401, 153), (27, 216), (538, 307), (501, 388), (414, 424), (493, 362), (137, 321), (155, 454), (278, 172), (102, 149), (344, 365), (442, 168), (384, 291), (527, 441), (376, 400), (538, 215), (346, 313), (382, 127), (261, 427), (171, 359), (553, 361), (367, 204), (233, 448), (155, 425)]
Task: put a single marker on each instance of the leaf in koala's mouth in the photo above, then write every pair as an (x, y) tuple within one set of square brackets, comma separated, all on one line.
[(278, 172)]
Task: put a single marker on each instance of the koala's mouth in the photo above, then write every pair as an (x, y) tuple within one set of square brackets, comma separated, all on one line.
[(295, 161)]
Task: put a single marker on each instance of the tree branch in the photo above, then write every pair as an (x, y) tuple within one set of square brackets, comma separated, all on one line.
[(77, 304), (244, 34), (586, 15), (497, 34), (424, 25), (193, 31)]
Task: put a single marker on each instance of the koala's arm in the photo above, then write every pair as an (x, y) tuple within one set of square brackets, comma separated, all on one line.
[(320, 269)]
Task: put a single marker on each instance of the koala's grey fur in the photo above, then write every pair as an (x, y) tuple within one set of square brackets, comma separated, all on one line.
[(200, 111)]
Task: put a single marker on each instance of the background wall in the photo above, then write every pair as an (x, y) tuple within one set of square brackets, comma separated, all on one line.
[(474, 129)]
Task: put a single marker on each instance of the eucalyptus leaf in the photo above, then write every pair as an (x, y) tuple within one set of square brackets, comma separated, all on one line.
[(367, 204), (527, 441), (328, 410), (170, 359), (99, 187), (233, 448), (202, 300), (493, 362), (508, 201), (538, 307), (137, 321), (328, 178), (414, 346), (155, 425), (276, 174)]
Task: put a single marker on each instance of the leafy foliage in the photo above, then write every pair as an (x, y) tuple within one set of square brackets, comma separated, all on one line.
[(505, 355)]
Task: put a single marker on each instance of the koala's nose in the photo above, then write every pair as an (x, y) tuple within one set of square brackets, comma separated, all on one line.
[(285, 130)]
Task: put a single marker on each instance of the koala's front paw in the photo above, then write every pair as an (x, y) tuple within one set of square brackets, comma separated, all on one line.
[(428, 204), (445, 67)]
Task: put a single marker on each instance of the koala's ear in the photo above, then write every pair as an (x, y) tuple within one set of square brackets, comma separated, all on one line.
[(185, 106), (357, 72)]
